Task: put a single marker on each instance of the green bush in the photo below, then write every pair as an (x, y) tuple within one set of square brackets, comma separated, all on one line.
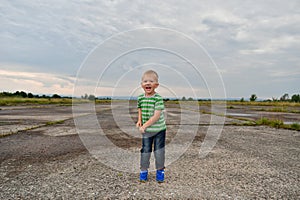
[(277, 123), (263, 121), (295, 126)]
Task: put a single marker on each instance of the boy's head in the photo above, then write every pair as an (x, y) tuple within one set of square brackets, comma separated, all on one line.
[(149, 82), (152, 74)]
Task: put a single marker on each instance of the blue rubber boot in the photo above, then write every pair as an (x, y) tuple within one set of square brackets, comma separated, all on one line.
[(143, 176), (160, 175)]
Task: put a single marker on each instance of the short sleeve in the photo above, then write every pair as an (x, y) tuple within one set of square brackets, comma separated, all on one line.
[(159, 104), (139, 105)]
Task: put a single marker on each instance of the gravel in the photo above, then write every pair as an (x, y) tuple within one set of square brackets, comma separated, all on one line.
[(246, 163)]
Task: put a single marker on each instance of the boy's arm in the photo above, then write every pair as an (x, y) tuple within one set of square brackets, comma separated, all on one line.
[(151, 121), (139, 122)]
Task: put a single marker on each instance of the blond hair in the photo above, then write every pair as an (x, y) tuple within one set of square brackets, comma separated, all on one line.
[(152, 73)]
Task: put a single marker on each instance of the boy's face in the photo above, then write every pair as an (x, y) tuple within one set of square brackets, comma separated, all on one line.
[(149, 84)]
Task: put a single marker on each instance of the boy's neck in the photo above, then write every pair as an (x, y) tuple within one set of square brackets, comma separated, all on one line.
[(150, 95)]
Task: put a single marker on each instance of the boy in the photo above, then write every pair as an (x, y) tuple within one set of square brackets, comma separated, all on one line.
[(151, 124)]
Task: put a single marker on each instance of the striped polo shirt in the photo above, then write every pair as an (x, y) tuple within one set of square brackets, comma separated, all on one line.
[(148, 105)]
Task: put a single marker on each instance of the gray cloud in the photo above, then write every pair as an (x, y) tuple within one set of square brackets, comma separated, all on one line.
[(251, 41)]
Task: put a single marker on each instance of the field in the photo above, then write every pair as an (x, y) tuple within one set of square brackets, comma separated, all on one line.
[(256, 156)]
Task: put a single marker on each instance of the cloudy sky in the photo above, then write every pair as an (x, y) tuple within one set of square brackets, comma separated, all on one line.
[(254, 44)]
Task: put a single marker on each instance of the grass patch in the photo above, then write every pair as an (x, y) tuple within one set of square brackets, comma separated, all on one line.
[(50, 123), (246, 123), (3, 123), (10, 101), (100, 101), (277, 123), (264, 103), (206, 112), (295, 126), (277, 109)]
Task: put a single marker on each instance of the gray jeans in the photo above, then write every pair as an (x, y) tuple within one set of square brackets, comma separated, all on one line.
[(158, 140)]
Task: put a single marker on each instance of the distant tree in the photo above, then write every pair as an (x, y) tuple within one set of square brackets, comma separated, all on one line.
[(295, 98), (183, 98), (253, 97), (23, 94), (85, 96), (284, 97), (91, 97), (30, 95), (56, 96), (242, 99), (274, 99), (17, 93), (6, 94), (190, 99)]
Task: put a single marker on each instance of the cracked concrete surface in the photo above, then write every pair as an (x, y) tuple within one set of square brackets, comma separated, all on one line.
[(51, 162)]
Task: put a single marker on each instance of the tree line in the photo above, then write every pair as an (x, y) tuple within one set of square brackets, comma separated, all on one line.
[(285, 98), (253, 97), (23, 94)]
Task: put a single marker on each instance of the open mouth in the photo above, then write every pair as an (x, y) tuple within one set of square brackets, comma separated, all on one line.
[(148, 88)]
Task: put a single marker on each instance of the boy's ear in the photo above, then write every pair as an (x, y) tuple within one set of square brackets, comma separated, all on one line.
[(156, 84)]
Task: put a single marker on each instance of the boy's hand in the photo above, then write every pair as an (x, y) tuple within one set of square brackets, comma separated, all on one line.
[(138, 124), (142, 129)]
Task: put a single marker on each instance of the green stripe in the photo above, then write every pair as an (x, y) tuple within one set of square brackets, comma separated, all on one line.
[(148, 105)]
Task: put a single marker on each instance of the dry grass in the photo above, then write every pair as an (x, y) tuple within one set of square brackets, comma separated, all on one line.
[(11, 101)]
